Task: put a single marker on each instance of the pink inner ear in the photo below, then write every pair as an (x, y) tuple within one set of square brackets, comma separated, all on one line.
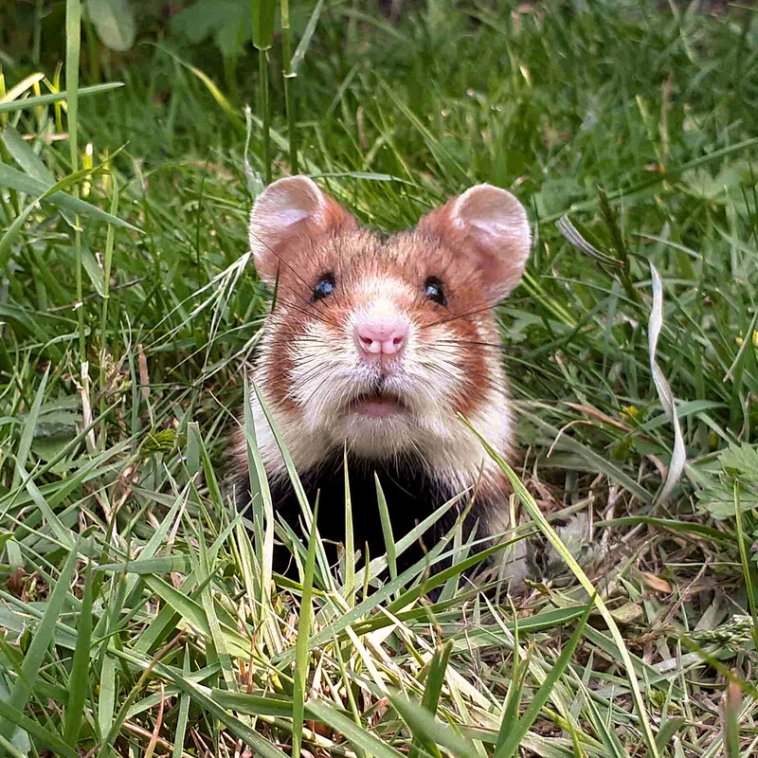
[(490, 227), (287, 218)]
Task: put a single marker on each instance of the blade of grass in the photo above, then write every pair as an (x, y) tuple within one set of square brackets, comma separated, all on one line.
[(389, 539), (47, 738), (731, 725), (40, 641), (10, 177), (326, 713), (110, 237), (537, 516), (217, 639), (184, 708), (8, 104), (305, 40), (297, 487), (30, 426), (515, 692), (264, 522), (205, 699), (748, 570), (431, 731), (516, 732), (300, 672), (349, 587), (80, 667), (289, 75), (24, 85), (665, 395), (26, 158), (436, 677), (264, 12), (434, 683), (73, 45)]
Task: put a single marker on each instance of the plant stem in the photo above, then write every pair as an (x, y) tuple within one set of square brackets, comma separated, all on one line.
[(73, 45), (265, 112), (289, 83)]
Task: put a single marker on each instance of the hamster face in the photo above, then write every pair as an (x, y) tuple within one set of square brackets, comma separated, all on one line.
[(380, 342)]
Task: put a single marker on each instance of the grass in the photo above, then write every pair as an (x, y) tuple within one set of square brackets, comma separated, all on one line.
[(140, 616)]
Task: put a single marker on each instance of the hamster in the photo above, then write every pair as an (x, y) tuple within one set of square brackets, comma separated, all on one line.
[(375, 346)]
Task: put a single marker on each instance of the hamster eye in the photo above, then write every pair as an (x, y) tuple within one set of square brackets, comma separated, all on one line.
[(433, 290), (324, 287)]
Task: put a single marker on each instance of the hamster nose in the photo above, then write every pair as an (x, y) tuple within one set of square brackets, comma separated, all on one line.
[(382, 336)]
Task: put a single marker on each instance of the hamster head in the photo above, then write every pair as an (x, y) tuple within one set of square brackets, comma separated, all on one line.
[(378, 342)]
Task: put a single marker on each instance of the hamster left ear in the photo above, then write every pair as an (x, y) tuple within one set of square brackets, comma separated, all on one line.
[(490, 226), (287, 219)]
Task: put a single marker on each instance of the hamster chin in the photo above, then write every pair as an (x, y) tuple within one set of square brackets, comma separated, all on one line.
[(378, 438)]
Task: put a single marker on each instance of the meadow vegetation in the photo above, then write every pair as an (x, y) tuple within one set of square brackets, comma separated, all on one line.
[(139, 615)]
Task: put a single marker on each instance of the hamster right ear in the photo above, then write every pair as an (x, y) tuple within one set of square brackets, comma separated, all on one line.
[(289, 216), (488, 226)]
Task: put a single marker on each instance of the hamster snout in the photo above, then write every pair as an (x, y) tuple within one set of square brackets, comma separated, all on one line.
[(378, 336)]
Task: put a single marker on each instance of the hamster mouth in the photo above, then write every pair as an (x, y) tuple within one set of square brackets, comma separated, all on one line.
[(377, 405)]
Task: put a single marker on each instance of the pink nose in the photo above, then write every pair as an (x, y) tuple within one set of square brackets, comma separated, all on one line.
[(381, 336)]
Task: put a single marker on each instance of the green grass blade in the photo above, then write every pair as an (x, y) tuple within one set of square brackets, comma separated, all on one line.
[(349, 587), (26, 158), (193, 613), (289, 77), (30, 426), (610, 741), (10, 177), (205, 699), (217, 638), (515, 692), (264, 526), (516, 732), (305, 40), (11, 715), (73, 43), (433, 690), (80, 668), (300, 673), (537, 516), (296, 485), (748, 568), (106, 703), (731, 724), (7, 106), (184, 709), (389, 538), (431, 731), (360, 737), (35, 655), (264, 12)]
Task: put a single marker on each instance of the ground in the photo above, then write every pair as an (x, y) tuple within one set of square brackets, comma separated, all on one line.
[(139, 614)]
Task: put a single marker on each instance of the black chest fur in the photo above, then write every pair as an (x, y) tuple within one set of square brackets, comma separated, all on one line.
[(411, 494)]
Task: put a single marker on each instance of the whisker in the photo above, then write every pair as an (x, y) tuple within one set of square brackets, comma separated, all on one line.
[(456, 317), (475, 343), (465, 349), (310, 313)]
